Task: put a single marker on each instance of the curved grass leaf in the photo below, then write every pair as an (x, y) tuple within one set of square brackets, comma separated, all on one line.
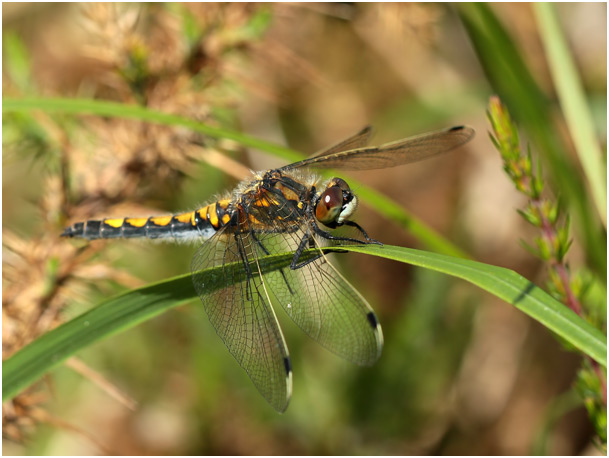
[(382, 204), (110, 317), (512, 288), (131, 308), (114, 315)]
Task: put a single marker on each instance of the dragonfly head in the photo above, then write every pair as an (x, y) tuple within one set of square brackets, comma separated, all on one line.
[(336, 203)]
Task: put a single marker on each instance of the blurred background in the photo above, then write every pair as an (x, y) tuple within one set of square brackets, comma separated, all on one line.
[(461, 372)]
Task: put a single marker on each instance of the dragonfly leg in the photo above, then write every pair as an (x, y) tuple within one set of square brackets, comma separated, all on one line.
[(306, 240), (260, 245), (364, 233), (327, 235)]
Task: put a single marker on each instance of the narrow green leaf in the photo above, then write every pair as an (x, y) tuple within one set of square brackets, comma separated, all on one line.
[(573, 103), (129, 309), (507, 72), (17, 61), (512, 288), (109, 317)]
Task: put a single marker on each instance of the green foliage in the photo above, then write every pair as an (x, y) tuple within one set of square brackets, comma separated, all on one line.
[(513, 82), (589, 387), (17, 61), (133, 307), (574, 105), (553, 243)]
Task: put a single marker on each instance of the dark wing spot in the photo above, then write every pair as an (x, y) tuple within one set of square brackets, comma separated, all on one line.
[(372, 320), (288, 365)]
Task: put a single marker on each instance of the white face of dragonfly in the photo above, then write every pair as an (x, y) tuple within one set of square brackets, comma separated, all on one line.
[(336, 204)]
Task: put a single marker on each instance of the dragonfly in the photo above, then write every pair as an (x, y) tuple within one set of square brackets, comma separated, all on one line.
[(284, 210)]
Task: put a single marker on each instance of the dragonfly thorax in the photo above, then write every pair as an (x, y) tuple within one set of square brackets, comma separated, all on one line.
[(336, 203)]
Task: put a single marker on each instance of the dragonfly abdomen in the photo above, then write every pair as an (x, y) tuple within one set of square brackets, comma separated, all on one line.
[(201, 223)]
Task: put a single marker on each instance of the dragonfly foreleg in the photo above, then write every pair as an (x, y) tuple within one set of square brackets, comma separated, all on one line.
[(328, 236), (364, 233)]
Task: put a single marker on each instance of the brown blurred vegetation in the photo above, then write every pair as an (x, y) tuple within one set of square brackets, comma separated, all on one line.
[(462, 372)]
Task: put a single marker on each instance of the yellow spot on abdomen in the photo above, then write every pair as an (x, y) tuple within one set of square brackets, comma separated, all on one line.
[(136, 222), (161, 220), (213, 216), (117, 222), (186, 217)]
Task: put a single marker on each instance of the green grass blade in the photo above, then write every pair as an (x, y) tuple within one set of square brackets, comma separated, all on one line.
[(140, 113), (511, 79), (110, 317), (131, 308), (573, 103), (382, 204), (17, 62), (114, 315)]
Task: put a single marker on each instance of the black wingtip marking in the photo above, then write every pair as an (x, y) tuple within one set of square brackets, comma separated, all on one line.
[(372, 320), (288, 365), (365, 130), (466, 132)]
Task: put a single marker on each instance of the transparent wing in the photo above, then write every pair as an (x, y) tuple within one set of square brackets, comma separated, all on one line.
[(391, 154), (242, 316), (322, 303), (356, 141)]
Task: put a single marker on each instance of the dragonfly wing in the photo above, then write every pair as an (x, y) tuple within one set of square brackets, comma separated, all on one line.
[(401, 152), (241, 313), (324, 305), (358, 140)]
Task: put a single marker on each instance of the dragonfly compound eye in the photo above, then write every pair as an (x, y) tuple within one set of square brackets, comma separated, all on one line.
[(336, 204), (329, 206)]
